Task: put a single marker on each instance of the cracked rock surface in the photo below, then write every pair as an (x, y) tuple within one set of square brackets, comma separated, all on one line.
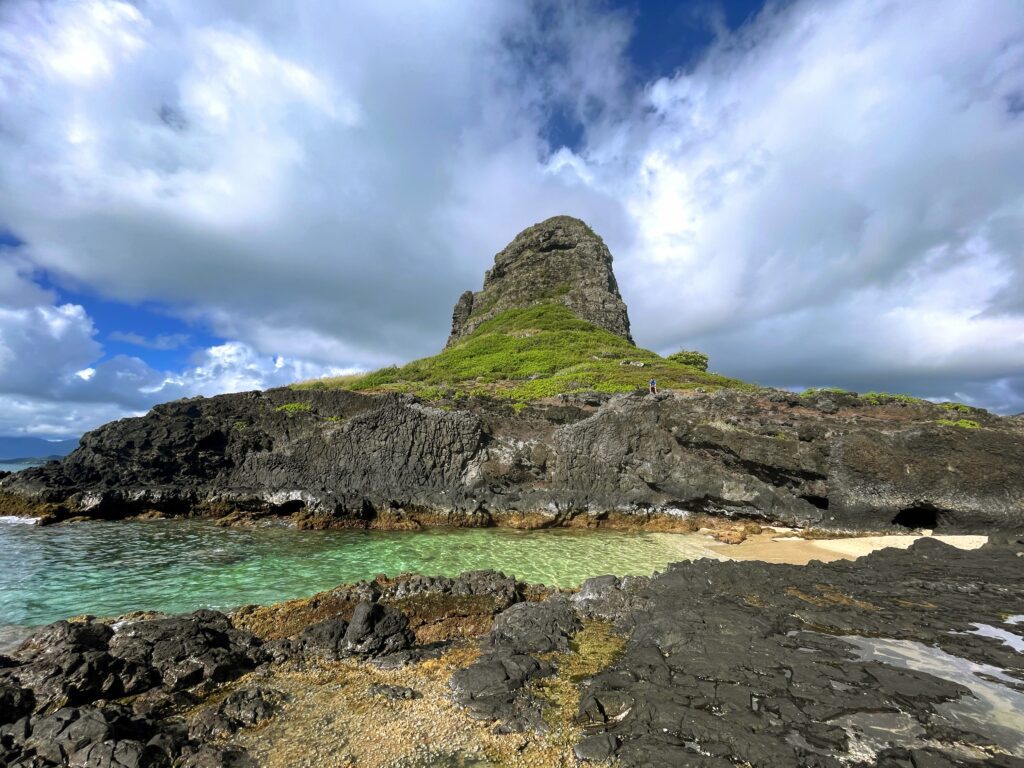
[(390, 461), (754, 664)]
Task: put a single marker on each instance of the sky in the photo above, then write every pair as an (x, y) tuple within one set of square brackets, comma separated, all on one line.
[(205, 196)]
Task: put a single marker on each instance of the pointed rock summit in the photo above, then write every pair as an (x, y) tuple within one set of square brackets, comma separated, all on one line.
[(560, 259)]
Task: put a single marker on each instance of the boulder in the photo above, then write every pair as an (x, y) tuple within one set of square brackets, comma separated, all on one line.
[(376, 630), (534, 627), (186, 650)]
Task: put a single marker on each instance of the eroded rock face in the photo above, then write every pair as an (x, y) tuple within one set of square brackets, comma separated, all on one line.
[(354, 460), (560, 259)]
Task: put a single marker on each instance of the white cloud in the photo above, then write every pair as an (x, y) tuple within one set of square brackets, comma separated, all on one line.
[(833, 196), (826, 197), (54, 381), (163, 341)]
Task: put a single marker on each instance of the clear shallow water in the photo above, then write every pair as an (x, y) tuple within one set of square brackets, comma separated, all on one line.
[(8, 466), (108, 569), (996, 708)]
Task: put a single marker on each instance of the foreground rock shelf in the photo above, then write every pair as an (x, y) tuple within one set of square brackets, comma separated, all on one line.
[(709, 664)]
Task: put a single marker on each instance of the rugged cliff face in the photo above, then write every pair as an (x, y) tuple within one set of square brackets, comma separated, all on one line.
[(341, 459), (560, 259), (331, 457)]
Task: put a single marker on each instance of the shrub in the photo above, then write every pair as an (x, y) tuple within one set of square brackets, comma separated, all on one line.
[(691, 358), (962, 423), (529, 354), (887, 398), (812, 391), (294, 408), (958, 407)]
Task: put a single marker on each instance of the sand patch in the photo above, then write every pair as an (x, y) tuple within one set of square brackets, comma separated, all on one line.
[(781, 546)]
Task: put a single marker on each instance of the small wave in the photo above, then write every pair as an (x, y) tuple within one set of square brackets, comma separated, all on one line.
[(13, 635), (12, 520)]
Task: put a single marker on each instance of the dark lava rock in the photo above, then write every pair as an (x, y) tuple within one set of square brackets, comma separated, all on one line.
[(116, 754), (73, 734), (608, 597), (68, 663), (187, 650), (747, 663), (534, 627), (15, 702), (326, 637), (241, 709), (209, 756), (252, 705), (67, 672), (492, 689), (376, 630)]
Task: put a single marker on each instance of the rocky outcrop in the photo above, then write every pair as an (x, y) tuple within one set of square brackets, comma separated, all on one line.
[(773, 665), (560, 259), (770, 665), (331, 458), (875, 662), (63, 679)]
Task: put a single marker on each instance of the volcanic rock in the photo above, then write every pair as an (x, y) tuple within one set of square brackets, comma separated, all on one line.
[(560, 259)]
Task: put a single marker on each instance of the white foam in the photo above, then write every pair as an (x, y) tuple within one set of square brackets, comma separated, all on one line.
[(12, 520)]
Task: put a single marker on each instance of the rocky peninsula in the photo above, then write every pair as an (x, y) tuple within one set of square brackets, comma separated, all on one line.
[(536, 415)]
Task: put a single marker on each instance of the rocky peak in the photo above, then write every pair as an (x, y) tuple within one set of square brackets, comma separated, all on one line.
[(560, 259)]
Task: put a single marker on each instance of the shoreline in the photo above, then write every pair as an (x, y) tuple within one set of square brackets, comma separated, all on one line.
[(483, 667), (786, 545)]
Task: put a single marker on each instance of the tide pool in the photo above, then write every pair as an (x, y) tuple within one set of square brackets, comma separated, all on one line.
[(108, 569)]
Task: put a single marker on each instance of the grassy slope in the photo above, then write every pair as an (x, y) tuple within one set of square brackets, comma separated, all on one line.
[(528, 354)]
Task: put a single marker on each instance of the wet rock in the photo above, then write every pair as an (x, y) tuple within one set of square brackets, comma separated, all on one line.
[(376, 630)]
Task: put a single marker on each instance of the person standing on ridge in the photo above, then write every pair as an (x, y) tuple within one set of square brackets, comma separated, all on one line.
[(653, 386)]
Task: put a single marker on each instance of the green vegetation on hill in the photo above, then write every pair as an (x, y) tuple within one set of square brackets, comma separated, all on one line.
[(888, 398), (529, 354)]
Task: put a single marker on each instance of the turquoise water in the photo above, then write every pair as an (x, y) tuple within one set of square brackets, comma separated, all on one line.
[(10, 466), (108, 569)]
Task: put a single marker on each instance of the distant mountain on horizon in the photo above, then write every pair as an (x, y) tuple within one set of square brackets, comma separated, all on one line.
[(34, 447)]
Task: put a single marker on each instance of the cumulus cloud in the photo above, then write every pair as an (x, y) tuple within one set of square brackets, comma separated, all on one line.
[(831, 195), (835, 195), (55, 381), (163, 341)]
